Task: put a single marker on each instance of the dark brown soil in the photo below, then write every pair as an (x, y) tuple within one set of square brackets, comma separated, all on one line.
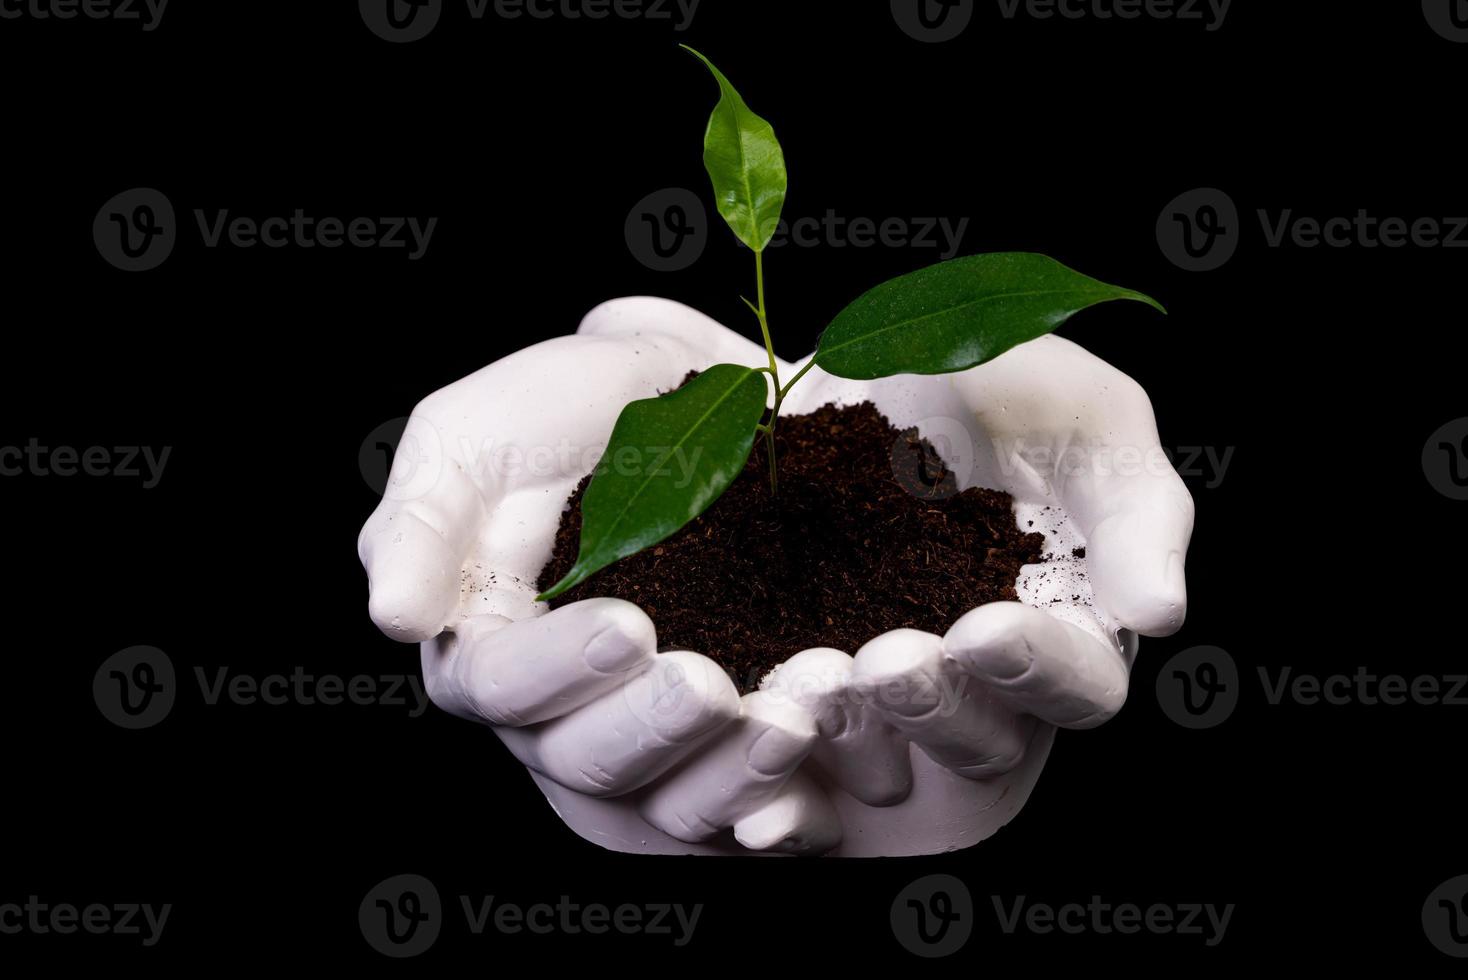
[(867, 534)]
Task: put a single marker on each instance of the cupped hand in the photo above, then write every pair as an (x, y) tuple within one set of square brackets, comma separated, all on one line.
[(660, 744)]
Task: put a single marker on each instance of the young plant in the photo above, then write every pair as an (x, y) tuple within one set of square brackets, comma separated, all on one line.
[(945, 318)]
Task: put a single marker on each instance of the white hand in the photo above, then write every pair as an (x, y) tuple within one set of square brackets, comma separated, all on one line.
[(581, 696), (452, 552), (1060, 429)]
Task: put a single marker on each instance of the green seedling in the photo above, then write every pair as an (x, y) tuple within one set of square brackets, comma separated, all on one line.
[(945, 318)]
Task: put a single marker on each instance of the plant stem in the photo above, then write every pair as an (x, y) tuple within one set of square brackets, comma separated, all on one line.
[(764, 323), (764, 326), (798, 375)]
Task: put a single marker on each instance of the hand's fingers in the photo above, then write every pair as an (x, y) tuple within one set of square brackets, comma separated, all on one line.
[(946, 712), (628, 737), (1057, 416), (737, 774), (491, 450), (1131, 506), (799, 820), (508, 441), (1137, 530), (1039, 665), (662, 323), (858, 748), (414, 544), (521, 673)]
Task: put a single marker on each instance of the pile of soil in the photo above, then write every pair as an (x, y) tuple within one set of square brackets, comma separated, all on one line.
[(868, 533)]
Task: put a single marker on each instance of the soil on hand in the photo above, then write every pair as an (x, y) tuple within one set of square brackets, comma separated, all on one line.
[(868, 533)]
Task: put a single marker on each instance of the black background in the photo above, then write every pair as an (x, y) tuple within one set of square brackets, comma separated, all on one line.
[(1324, 370)]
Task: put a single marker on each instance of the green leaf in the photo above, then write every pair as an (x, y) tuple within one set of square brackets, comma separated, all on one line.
[(957, 314), (745, 162), (669, 458)]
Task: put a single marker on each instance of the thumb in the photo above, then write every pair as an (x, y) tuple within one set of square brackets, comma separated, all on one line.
[(1137, 526), (414, 544)]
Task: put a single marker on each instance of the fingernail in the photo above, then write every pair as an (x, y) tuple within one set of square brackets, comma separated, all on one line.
[(992, 641), (777, 751), (612, 651), (1005, 659), (686, 695)]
